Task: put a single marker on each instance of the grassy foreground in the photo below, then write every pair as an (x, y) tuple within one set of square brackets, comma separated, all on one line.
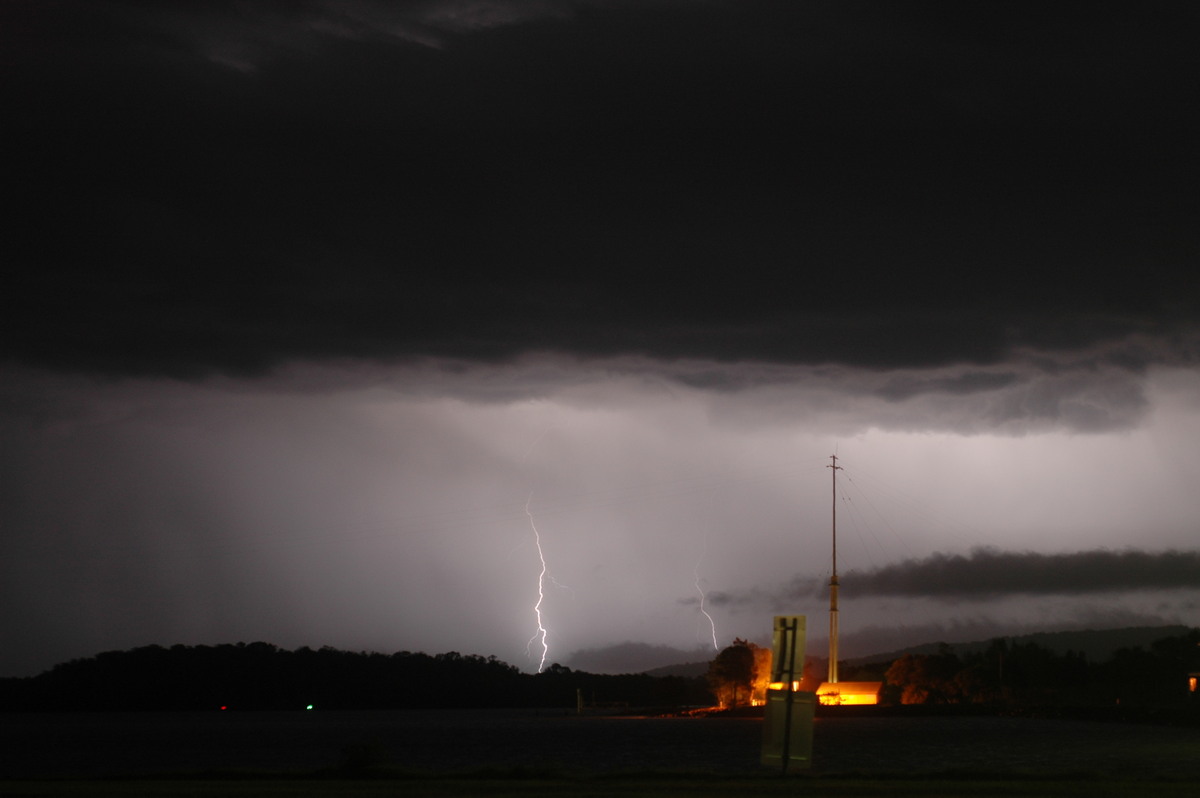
[(625, 786)]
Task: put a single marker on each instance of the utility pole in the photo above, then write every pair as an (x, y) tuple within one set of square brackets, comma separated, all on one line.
[(833, 582)]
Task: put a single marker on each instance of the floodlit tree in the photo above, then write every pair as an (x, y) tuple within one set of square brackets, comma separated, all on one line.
[(926, 679), (731, 674)]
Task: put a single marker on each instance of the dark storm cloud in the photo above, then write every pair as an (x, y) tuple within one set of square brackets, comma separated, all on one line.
[(907, 386), (989, 573), (723, 598), (230, 187)]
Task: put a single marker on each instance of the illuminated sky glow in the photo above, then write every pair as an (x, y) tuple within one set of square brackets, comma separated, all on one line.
[(304, 304)]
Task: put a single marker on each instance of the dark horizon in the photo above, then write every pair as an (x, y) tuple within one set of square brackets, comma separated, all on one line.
[(1097, 645)]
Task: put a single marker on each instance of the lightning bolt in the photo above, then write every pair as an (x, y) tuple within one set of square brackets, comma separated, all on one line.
[(541, 590), (696, 573)]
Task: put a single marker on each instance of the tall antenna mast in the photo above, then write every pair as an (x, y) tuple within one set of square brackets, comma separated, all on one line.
[(833, 582)]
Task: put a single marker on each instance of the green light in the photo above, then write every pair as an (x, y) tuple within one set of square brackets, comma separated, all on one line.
[(310, 706)]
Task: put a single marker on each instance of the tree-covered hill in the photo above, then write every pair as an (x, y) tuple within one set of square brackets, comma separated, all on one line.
[(262, 676), (1007, 674)]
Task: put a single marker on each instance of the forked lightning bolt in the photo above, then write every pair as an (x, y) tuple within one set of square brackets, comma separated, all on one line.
[(696, 573), (541, 590)]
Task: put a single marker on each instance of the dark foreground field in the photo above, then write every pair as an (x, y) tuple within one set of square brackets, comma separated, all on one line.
[(509, 753), (625, 787)]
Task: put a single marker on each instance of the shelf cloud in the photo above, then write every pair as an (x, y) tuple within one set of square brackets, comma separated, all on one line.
[(989, 573)]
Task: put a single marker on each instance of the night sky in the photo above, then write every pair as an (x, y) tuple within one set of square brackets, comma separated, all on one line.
[(317, 315)]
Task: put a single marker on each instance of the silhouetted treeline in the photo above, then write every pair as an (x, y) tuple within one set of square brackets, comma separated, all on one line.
[(1007, 674), (1025, 674), (262, 676)]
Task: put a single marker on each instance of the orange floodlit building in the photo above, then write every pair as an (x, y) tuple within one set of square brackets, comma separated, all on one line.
[(848, 693)]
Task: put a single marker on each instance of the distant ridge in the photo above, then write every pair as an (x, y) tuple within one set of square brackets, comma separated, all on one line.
[(687, 670), (1097, 645), (631, 657)]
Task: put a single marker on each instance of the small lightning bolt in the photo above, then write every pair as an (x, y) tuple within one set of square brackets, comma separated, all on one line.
[(541, 590), (696, 573)]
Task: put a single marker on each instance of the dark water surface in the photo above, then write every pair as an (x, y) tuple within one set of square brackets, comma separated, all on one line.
[(93, 744)]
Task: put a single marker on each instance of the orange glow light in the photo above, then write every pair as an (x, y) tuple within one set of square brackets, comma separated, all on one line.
[(845, 693)]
